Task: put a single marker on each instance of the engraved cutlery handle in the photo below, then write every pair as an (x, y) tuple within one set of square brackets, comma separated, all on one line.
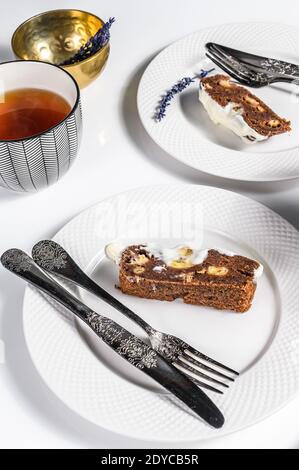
[(23, 266), (53, 258), (124, 343), (19, 263)]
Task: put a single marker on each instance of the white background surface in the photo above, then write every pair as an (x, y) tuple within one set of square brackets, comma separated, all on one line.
[(116, 154)]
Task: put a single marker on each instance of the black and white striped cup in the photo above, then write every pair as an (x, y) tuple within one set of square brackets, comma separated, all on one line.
[(36, 162)]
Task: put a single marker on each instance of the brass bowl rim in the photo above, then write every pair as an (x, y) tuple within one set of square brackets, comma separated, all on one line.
[(69, 66), (73, 108)]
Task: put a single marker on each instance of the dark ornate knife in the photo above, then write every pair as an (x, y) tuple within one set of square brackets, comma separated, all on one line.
[(128, 346)]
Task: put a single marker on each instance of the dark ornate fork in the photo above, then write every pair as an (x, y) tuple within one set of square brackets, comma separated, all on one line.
[(249, 69), (51, 257)]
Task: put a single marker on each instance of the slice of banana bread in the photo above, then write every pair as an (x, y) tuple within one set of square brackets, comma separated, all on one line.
[(238, 109), (213, 278)]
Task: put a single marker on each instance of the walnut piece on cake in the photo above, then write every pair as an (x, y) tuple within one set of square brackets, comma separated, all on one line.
[(214, 278), (236, 108)]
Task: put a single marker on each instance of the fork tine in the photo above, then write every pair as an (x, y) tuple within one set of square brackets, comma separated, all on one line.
[(197, 381), (197, 363), (243, 76), (197, 373), (197, 354), (230, 71), (227, 61)]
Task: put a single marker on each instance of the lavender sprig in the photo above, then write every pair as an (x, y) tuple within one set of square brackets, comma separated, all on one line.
[(93, 45), (175, 90)]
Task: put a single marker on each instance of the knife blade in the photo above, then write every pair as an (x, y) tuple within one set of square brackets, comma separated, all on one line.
[(258, 63), (125, 344)]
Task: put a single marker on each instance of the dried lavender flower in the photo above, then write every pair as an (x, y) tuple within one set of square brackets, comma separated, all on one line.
[(93, 45), (176, 89)]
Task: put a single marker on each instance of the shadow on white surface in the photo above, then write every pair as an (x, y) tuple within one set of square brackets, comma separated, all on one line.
[(9, 195), (195, 113), (289, 210), (6, 53)]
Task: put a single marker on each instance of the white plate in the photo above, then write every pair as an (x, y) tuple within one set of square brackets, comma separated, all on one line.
[(262, 344), (189, 135)]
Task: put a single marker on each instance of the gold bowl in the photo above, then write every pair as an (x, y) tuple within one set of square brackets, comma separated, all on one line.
[(55, 36)]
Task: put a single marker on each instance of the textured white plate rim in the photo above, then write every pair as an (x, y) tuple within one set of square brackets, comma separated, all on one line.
[(133, 434), (236, 152)]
